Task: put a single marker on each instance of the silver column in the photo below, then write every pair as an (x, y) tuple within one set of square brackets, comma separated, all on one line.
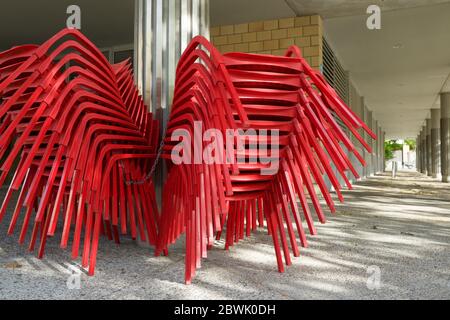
[(163, 29), (374, 145)]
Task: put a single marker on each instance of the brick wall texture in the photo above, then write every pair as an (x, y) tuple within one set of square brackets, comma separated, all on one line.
[(273, 37)]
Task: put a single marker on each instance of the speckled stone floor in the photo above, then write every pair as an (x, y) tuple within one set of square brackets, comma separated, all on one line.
[(400, 228)]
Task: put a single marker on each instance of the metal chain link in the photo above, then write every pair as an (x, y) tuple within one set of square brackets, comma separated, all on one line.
[(152, 169)]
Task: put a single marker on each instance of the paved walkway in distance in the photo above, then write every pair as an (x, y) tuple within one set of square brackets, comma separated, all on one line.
[(401, 226)]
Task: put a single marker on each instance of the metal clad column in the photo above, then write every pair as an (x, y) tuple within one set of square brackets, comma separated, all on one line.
[(143, 50), (445, 136), (186, 24), (435, 141), (162, 31), (204, 18)]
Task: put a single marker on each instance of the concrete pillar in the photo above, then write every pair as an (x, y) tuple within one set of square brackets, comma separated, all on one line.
[(428, 133), (445, 136), (380, 159), (382, 148), (375, 148), (418, 153), (373, 145), (424, 150), (356, 106), (435, 141), (367, 154), (368, 121)]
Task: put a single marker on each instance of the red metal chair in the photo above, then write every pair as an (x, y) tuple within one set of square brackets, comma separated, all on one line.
[(263, 92), (81, 132)]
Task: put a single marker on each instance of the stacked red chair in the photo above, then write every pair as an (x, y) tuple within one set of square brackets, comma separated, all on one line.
[(79, 132), (260, 92), (80, 146)]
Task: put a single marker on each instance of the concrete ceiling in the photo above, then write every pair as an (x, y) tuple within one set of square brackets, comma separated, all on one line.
[(399, 69), (338, 8), (399, 85), (240, 11), (106, 22)]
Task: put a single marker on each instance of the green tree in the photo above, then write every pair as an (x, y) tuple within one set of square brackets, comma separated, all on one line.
[(390, 146), (411, 143)]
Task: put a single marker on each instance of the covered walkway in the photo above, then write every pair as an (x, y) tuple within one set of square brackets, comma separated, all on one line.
[(400, 226)]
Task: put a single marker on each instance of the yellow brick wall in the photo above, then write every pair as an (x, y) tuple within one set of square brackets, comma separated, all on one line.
[(273, 37)]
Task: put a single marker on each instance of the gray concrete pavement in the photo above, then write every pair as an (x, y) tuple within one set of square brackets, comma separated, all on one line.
[(400, 226)]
